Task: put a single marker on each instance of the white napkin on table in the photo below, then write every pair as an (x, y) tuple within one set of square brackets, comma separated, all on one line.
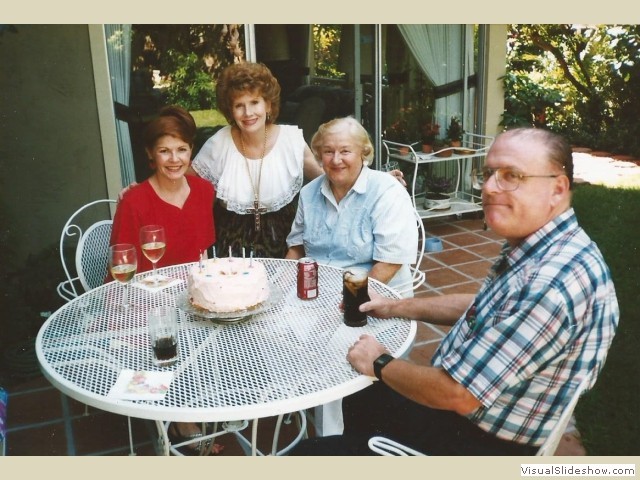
[(165, 282), (141, 385)]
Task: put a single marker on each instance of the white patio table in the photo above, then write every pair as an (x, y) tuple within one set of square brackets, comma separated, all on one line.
[(286, 359)]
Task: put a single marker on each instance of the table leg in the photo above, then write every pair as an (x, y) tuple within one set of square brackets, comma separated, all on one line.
[(328, 419), (163, 436), (302, 433), (250, 447)]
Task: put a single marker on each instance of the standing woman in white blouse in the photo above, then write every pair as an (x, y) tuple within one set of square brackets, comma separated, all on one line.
[(257, 167)]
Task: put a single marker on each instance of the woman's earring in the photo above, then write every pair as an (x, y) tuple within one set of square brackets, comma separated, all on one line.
[(268, 116)]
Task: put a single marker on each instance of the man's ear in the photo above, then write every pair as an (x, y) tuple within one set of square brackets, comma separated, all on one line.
[(561, 189)]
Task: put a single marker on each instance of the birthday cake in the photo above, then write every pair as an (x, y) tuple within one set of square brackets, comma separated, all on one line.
[(224, 285)]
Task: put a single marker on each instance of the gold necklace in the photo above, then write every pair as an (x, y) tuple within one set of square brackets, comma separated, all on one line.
[(257, 210)]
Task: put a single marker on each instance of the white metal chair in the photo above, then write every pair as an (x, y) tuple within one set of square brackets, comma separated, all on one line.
[(550, 445), (418, 277), (390, 448), (91, 258), (386, 447), (91, 252)]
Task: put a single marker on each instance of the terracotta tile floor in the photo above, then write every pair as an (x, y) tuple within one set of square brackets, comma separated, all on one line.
[(43, 421)]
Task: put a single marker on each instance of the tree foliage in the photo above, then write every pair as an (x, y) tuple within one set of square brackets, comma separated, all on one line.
[(189, 58), (326, 43), (580, 80)]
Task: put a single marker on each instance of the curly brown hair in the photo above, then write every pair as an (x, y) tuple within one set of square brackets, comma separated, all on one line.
[(246, 77)]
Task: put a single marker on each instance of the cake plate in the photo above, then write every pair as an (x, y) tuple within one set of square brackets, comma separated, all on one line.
[(224, 318)]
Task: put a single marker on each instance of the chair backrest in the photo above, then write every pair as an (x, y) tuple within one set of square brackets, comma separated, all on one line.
[(417, 276), (89, 251), (92, 254), (550, 445)]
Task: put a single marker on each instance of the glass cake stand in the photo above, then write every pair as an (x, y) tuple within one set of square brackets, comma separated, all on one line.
[(184, 304)]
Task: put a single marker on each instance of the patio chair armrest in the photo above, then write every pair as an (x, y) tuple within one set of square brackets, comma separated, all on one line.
[(391, 448)]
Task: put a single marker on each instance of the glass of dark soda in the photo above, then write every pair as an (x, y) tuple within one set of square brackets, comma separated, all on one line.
[(355, 292), (163, 334)]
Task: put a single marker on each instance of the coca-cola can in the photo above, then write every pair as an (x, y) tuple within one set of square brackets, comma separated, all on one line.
[(307, 278)]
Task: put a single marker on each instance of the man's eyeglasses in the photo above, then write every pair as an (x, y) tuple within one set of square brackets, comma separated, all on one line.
[(507, 178)]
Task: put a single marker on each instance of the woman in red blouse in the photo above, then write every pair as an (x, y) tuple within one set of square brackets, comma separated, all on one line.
[(183, 205)]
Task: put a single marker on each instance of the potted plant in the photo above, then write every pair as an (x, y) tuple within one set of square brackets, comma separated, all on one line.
[(429, 132), (404, 129), (437, 196), (398, 132), (454, 132), (441, 148)]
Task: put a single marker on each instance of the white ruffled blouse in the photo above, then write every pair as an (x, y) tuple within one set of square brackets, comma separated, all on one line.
[(220, 162)]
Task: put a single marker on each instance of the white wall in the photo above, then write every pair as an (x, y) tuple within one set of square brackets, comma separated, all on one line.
[(496, 68)]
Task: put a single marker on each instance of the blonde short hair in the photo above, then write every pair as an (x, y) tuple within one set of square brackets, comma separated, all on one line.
[(353, 127)]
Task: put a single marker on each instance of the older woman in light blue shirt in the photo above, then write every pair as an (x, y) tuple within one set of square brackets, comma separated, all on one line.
[(352, 215)]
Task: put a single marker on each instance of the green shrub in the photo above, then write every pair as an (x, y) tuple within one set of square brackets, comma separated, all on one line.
[(190, 86), (527, 103), (582, 81)]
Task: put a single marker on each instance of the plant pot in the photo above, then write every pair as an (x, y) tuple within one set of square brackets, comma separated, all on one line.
[(455, 143), (437, 201), (426, 148), (445, 153), (403, 150), (464, 151)]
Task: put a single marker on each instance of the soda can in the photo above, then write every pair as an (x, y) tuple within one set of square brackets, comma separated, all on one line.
[(307, 278), (355, 292)]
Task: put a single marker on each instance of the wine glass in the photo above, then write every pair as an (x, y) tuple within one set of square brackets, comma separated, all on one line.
[(123, 262), (153, 243)]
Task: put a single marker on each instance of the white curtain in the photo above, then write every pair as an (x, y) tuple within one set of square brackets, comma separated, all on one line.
[(445, 54), (119, 56), (439, 51)]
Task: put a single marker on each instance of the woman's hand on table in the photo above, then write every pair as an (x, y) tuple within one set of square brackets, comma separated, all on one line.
[(362, 354)]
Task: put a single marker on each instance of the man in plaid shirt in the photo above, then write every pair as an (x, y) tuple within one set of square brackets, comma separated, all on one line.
[(543, 319)]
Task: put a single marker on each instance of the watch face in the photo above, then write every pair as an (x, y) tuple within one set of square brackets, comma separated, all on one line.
[(380, 363)]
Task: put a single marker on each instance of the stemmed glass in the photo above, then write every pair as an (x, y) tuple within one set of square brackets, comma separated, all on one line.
[(123, 263), (153, 243)]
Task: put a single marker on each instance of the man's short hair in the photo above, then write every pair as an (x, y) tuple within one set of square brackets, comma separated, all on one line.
[(559, 151)]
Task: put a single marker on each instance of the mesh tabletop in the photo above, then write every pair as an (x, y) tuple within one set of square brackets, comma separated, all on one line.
[(287, 358)]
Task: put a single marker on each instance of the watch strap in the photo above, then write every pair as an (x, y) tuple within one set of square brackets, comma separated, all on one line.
[(379, 363)]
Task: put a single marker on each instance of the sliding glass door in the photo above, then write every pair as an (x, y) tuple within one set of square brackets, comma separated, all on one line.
[(375, 73)]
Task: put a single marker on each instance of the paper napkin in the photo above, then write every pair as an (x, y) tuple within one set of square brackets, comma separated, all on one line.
[(141, 385), (145, 283)]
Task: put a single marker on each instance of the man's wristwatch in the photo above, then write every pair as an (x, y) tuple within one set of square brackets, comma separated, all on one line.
[(379, 363)]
